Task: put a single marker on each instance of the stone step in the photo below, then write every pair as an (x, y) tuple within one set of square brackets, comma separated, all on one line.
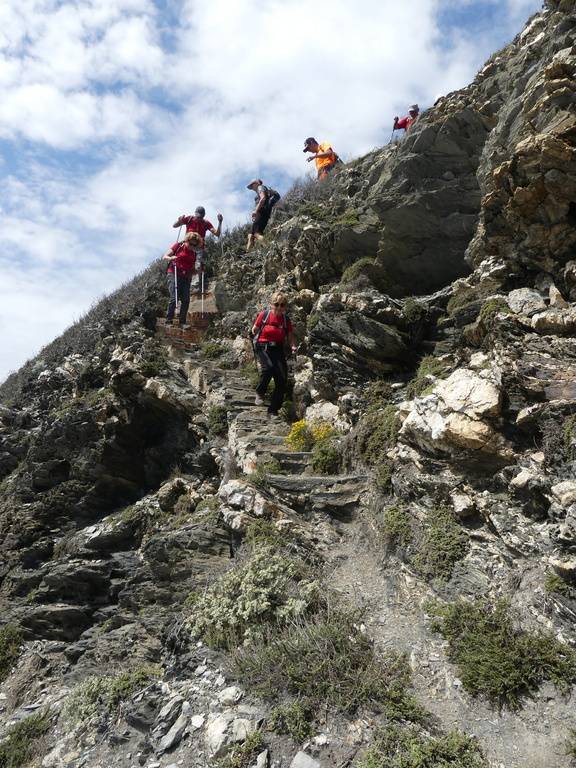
[(336, 495)]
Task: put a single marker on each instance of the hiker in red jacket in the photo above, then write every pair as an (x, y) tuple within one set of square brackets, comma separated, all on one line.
[(407, 121), (183, 265), (197, 223), (270, 332)]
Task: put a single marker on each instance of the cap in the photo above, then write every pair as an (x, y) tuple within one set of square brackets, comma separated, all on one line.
[(309, 140), (201, 210), (254, 181), (414, 108)]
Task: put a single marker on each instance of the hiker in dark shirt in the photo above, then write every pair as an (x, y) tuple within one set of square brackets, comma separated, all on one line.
[(265, 201), (270, 332)]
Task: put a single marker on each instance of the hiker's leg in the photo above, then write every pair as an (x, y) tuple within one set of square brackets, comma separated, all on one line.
[(266, 370), (184, 296), (280, 374), (250, 242), (172, 294), (195, 284)]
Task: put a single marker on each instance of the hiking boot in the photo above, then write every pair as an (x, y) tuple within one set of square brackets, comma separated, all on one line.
[(258, 400)]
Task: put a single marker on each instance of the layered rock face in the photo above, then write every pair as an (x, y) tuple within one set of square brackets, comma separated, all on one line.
[(162, 540)]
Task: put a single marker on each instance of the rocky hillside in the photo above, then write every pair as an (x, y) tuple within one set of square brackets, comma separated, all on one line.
[(386, 576)]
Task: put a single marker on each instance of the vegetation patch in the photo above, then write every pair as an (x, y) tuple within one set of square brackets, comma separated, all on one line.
[(288, 411), (378, 433), (218, 420), (556, 585), (396, 527), (571, 745), (414, 311), (406, 747), (350, 218), (100, 696), (327, 660), (305, 434), (442, 543), (10, 642), (383, 475), (462, 298), (326, 456), (496, 659), (370, 270), (153, 358), (491, 308), (430, 368), (267, 589), (244, 756), (263, 470), (251, 372), (21, 740), (212, 350), (295, 719), (312, 320), (569, 430)]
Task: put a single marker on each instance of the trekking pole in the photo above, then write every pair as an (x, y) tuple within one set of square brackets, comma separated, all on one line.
[(391, 135), (202, 290)]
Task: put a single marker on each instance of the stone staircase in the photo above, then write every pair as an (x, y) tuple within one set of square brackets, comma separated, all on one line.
[(255, 438), (199, 317)]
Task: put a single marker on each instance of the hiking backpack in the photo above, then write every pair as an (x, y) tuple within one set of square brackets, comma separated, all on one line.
[(263, 324)]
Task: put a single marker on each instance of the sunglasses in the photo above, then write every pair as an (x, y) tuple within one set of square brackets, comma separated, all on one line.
[(283, 304)]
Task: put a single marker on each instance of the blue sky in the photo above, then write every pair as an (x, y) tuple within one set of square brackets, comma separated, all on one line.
[(118, 115)]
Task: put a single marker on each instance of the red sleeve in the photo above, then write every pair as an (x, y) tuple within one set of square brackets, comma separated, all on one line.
[(402, 123), (207, 226), (259, 319), (174, 247)]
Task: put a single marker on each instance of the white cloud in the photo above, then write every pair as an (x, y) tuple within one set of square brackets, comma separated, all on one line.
[(172, 125)]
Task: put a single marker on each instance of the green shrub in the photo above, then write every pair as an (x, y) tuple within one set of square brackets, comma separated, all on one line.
[(312, 321), (554, 584), (218, 420), (101, 696), (405, 747), (153, 358), (327, 660), (491, 308), (378, 393), (244, 755), (263, 533), (497, 660), (326, 457), (288, 411), (413, 311), (263, 470), (383, 472), (371, 270), (441, 545), (251, 372), (266, 589), (349, 218), (569, 430), (21, 740), (211, 350), (396, 527), (10, 642), (378, 433), (296, 719), (429, 367)]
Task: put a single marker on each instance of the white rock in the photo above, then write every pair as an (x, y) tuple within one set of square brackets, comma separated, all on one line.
[(522, 479), (525, 301), (226, 729), (556, 298), (327, 412), (464, 391), (197, 722), (230, 696), (565, 493), (262, 760), (302, 760), (463, 504), (174, 735)]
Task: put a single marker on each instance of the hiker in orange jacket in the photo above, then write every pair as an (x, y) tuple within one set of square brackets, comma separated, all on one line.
[(322, 154), (407, 121), (183, 266)]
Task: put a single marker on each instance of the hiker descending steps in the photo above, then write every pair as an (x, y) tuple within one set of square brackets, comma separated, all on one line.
[(183, 266), (270, 332), (323, 155), (265, 201), (197, 223)]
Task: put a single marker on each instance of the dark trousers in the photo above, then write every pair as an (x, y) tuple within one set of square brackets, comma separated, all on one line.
[(272, 366), (183, 295)]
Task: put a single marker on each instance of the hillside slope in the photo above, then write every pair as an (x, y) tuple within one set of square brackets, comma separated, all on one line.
[(388, 582)]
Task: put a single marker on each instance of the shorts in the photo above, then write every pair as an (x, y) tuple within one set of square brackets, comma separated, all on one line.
[(260, 222)]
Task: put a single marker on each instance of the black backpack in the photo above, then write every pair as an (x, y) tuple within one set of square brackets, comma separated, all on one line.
[(272, 197)]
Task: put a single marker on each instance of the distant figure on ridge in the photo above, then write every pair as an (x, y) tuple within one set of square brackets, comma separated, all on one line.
[(407, 121), (183, 266), (265, 201), (197, 223), (323, 155), (270, 332)]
